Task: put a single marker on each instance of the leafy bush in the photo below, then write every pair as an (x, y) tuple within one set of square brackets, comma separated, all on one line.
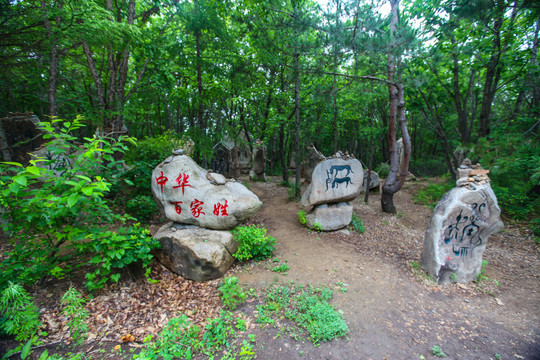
[(253, 243), (317, 316), (231, 293), (20, 315), (514, 202), (73, 309), (357, 224), (383, 170), (142, 207), (293, 192), (152, 150), (281, 268), (432, 194), (55, 215), (302, 217)]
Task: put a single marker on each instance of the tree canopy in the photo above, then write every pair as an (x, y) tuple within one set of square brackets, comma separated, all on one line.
[(290, 73)]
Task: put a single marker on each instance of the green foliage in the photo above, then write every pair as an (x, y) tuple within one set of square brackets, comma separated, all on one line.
[(178, 339), (317, 316), (281, 268), (57, 216), (293, 192), (432, 194), (302, 217), (73, 309), (383, 170), (253, 243), (152, 150), (514, 172), (308, 308), (142, 207), (20, 317), (357, 224), (116, 250), (231, 293), (437, 351), (317, 227), (482, 274)]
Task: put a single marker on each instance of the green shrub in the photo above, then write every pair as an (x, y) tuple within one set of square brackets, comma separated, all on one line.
[(357, 224), (55, 216), (293, 192), (152, 150), (20, 317), (231, 293), (383, 170), (142, 207), (514, 202), (253, 243), (73, 309), (317, 316), (432, 194), (281, 268), (302, 217)]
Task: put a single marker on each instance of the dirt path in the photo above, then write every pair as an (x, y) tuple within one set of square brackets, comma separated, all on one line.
[(392, 311)]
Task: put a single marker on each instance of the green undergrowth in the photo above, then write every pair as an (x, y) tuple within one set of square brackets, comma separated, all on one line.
[(433, 193), (253, 243), (307, 307)]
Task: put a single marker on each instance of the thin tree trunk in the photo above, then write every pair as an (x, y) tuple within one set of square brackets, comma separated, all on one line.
[(297, 121)]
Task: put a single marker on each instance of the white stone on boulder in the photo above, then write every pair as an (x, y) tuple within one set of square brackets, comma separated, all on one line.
[(334, 180), (185, 195), (195, 253), (458, 232)]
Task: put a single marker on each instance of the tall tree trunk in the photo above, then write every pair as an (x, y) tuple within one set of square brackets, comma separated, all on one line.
[(297, 159), (397, 110)]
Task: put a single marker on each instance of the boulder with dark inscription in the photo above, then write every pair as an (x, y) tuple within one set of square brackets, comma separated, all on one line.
[(330, 217), (458, 232), (334, 180), (188, 194), (195, 253), (374, 181)]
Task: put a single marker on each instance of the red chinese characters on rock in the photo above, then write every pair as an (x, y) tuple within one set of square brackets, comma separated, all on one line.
[(220, 209), (161, 180), (183, 181), (177, 207), (196, 208)]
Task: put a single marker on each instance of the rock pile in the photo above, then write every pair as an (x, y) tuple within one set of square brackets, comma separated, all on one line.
[(334, 183), (200, 205), (459, 228), (471, 175)]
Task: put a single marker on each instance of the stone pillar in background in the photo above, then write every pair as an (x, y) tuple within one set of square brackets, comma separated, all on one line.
[(258, 169), (459, 228)]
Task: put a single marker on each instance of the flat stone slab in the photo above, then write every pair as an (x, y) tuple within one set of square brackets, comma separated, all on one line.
[(187, 194), (458, 232), (195, 253), (334, 180), (330, 217)]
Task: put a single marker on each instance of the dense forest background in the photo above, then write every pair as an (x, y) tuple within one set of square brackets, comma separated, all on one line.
[(292, 73)]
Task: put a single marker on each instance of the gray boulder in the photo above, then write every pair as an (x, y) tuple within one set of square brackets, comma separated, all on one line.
[(458, 232), (195, 253), (188, 194), (330, 217), (334, 180), (374, 181)]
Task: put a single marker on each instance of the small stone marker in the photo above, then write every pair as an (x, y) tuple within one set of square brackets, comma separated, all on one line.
[(334, 180), (334, 183), (458, 232)]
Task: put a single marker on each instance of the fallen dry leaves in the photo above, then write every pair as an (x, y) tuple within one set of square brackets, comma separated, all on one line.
[(129, 312)]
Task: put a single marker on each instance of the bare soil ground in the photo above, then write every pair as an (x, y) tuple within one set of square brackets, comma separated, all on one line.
[(392, 310)]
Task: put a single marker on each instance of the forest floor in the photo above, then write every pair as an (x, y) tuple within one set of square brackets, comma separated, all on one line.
[(393, 311)]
